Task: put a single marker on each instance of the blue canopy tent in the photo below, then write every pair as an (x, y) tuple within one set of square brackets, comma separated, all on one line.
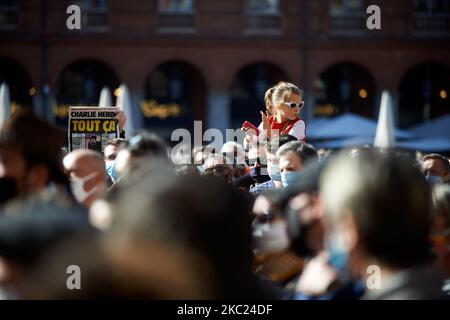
[(344, 143), (315, 124), (350, 125), (439, 127), (427, 144)]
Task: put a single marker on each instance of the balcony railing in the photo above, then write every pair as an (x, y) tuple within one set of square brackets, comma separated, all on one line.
[(351, 24), (177, 22), (431, 25), (262, 23), (9, 18)]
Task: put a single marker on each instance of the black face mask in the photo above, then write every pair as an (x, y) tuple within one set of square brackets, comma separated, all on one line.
[(8, 189), (298, 232)]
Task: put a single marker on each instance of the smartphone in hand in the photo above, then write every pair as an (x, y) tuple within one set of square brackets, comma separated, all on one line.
[(248, 124)]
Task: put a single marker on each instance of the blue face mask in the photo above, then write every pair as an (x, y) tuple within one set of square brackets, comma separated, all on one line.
[(433, 179), (338, 255), (274, 172), (111, 171), (290, 177), (200, 169)]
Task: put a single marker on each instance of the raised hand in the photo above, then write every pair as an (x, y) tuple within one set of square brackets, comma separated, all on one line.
[(120, 116), (266, 123)]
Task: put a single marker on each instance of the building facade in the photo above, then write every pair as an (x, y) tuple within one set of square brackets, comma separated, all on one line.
[(212, 60)]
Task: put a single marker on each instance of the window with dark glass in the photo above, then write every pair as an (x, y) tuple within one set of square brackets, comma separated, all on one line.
[(262, 7), (347, 15), (176, 15), (176, 6), (9, 14), (262, 16), (94, 15), (431, 17)]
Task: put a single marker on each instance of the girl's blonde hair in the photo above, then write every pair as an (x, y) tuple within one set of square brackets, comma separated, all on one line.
[(268, 99), (279, 93)]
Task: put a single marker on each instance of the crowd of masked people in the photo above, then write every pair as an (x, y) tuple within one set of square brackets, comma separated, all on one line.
[(271, 218)]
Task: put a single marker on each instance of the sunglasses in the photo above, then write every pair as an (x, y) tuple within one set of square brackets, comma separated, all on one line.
[(294, 105), (264, 218)]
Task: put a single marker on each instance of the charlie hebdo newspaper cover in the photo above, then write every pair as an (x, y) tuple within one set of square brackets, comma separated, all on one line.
[(92, 127)]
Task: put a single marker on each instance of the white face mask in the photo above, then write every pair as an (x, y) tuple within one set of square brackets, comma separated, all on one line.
[(77, 185), (271, 237)]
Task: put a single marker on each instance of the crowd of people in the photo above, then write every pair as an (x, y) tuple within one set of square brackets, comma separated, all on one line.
[(269, 218)]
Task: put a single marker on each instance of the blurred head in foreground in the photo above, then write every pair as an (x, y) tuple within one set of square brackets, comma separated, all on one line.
[(378, 210), (201, 216), (29, 156)]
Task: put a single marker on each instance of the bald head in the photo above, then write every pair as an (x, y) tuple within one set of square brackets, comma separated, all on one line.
[(82, 162), (87, 164)]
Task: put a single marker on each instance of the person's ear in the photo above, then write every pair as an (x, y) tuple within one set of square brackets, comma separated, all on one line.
[(37, 178)]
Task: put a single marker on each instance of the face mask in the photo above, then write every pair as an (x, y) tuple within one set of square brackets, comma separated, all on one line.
[(298, 232), (274, 172), (200, 168), (271, 237), (290, 177), (111, 171), (433, 179), (77, 187), (8, 189), (338, 253)]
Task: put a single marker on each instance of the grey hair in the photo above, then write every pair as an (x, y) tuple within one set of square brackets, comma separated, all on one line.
[(306, 152)]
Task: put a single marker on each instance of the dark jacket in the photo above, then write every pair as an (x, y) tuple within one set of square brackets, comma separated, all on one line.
[(420, 283)]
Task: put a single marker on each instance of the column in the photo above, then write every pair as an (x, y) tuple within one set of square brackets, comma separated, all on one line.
[(134, 118), (219, 113)]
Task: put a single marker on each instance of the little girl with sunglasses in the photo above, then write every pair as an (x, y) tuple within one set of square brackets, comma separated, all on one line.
[(283, 103)]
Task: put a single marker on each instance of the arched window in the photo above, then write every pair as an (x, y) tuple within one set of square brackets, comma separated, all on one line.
[(80, 84), (21, 90), (424, 94), (248, 89), (175, 94), (345, 87)]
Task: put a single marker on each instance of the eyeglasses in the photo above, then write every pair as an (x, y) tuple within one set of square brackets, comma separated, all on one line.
[(294, 105)]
